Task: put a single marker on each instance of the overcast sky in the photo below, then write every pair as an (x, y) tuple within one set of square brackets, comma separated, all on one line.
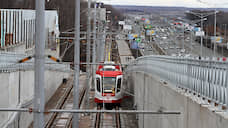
[(185, 3)]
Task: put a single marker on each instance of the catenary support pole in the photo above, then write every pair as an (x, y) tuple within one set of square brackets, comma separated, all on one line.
[(88, 46), (94, 42), (39, 99), (103, 42), (76, 63)]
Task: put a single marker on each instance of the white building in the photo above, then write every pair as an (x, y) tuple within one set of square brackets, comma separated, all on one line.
[(17, 30)]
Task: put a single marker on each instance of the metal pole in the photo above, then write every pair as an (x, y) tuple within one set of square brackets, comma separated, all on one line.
[(94, 111), (201, 37), (102, 42), (215, 34), (94, 43), (225, 32), (183, 38), (191, 42), (39, 99), (76, 63), (224, 39), (88, 53), (99, 35)]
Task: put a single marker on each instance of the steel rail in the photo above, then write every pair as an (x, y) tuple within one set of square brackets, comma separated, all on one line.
[(63, 100), (81, 97), (31, 110), (59, 106), (98, 117), (117, 115)]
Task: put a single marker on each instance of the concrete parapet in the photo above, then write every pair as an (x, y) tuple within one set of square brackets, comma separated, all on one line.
[(17, 90), (152, 93)]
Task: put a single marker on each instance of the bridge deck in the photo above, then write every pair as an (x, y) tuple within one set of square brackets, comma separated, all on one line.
[(124, 52)]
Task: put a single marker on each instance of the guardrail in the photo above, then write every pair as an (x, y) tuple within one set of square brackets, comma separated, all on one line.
[(30, 66), (205, 77), (9, 63)]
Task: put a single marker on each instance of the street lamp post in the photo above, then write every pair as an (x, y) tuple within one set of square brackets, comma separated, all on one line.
[(202, 16), (215, 12), (194, 22), (215, 33), (201, 38), (225, 33), (183, 37)]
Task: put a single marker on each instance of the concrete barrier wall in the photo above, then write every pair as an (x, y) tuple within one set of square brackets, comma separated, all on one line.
[(151, 93), (52, 81), (17, 89), (19, 48), (4, 99)]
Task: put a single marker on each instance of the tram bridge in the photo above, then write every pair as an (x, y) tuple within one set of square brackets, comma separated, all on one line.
[(168, 92), (195, 87)]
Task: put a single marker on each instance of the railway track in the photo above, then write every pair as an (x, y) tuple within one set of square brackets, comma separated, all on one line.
[(117, 115), (107, 120), (98, 116), (64, 120), (81, 96)]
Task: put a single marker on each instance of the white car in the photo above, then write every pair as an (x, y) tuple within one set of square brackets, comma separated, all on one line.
[(182, 50), (164, 37)]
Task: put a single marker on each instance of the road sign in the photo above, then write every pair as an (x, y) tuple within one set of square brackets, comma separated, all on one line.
[(199, 33), (135, 35), (138, 40), (217, 39), (130, 37), (150, 32), (147, 21), (148, 27), (196, 29)]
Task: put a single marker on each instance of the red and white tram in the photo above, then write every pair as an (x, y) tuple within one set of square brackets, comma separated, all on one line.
[(108, 84)]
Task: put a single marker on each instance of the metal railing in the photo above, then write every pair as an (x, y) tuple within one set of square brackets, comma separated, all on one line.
[(206, 77), (9, 63), (30, 66)]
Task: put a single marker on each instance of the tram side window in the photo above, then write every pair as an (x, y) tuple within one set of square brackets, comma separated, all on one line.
[(118, 85), (98, 85)]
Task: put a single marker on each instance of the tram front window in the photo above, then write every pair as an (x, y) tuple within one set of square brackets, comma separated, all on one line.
[(109, 84)]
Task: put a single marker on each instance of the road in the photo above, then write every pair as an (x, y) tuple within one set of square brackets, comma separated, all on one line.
[(172, 41)]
